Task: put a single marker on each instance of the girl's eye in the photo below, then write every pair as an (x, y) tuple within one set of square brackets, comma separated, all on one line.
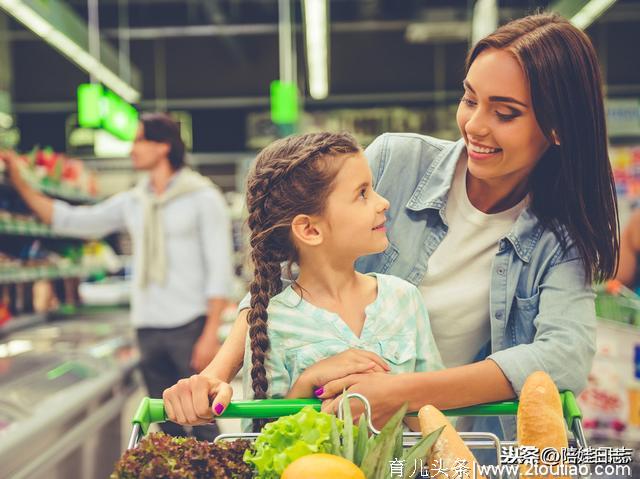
[(468, 101), (363, 193)]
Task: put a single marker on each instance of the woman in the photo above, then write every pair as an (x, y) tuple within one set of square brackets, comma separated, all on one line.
[(520, 211)]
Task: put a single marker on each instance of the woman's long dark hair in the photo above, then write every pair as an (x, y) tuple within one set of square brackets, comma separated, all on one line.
[(291, 176), (572, 185)]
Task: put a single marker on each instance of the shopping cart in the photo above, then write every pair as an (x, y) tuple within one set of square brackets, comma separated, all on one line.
[(152, 411)]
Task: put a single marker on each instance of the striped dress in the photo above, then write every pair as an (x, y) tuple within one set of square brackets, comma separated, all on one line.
[(396, 328)]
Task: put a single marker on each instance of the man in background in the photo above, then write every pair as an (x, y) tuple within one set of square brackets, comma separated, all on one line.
[(182, 252)]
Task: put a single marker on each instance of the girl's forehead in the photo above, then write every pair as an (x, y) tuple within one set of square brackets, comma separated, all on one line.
[(354, 169)]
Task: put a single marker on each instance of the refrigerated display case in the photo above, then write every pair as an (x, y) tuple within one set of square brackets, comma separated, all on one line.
[(63, 386)]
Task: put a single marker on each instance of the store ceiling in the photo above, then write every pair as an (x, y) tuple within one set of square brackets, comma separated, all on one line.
[(203, 49), (205, 55)]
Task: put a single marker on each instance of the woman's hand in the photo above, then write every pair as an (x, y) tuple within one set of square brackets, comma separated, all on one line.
[(381, 390), (351, 361), (187, 401)]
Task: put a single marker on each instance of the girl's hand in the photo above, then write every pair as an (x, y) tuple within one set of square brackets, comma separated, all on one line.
[(187, 401), (351, 361), (383, 391)]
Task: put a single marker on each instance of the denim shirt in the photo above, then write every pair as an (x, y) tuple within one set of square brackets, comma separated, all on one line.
[(542, 312)]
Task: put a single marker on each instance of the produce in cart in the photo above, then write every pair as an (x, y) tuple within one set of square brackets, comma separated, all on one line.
[(450, 448), (540, 419), (162, 456), (322, 438)]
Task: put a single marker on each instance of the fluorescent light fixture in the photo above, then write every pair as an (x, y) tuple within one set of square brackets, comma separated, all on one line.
[(107, 145), (316, 37), (592, 10), (80, 56), (485, 19)]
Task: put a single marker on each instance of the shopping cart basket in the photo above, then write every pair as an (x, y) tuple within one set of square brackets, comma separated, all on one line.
[(152, 411)]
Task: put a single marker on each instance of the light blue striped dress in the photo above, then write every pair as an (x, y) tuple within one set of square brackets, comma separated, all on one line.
[(301, 334)]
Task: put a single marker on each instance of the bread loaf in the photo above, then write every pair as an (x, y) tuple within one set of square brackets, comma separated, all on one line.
[(449, 449), (540, 419)]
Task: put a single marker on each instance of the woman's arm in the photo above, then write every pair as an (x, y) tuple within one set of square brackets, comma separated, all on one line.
[(563, 347), (462, 386)]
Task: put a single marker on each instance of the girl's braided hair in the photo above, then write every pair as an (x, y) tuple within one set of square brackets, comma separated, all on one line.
[(291, 176)]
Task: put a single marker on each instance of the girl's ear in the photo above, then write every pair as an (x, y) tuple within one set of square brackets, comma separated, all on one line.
[(305, 230)]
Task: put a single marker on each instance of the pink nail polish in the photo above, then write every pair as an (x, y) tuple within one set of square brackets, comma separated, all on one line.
[(218, 408), (319, 391)]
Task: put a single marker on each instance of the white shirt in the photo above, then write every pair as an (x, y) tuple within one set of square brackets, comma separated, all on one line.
[(198, 247), (456, 285)]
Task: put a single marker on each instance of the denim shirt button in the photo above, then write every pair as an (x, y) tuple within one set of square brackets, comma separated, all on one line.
[(499, 314), (501, 270)]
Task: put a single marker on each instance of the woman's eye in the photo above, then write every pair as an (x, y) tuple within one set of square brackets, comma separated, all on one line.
[(506, 116), (468, 101)]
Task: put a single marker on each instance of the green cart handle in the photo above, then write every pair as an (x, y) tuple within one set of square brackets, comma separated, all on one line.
[(152, 410)]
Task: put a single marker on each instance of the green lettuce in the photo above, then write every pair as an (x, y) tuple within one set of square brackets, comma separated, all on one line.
[(283, 441)]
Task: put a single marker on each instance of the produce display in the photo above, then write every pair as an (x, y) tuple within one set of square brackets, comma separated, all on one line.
[(55, 173)]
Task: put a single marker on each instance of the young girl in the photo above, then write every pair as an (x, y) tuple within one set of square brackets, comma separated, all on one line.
[(311, 202)]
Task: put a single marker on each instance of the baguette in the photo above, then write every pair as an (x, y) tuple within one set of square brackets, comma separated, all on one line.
[(449, 449), (540, 419)]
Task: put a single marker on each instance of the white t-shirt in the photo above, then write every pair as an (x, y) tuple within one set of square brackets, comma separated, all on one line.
[(456, 286)]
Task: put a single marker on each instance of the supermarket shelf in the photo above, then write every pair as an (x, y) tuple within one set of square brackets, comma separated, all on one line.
[(24, 321), (58, 191), (26, 228), (27, 274), (66, 193), (67, 311)]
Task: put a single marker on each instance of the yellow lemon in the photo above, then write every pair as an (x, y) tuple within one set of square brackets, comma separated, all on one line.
[(322, 466)]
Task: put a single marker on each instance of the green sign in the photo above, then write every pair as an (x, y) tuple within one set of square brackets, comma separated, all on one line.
[(89, 99), (100, 108), (284, 102)]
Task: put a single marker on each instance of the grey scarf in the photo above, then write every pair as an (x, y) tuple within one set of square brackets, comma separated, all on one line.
[(151, 262)]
